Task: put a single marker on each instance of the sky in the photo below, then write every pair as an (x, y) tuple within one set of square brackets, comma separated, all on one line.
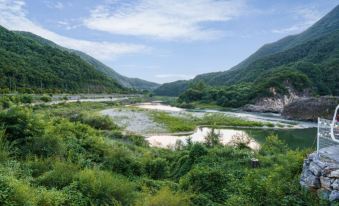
[(164, 40)]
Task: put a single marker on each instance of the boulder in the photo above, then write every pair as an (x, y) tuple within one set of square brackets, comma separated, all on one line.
[(335, 185), (334, 196), (334, 174), (315, 169), (325, 182), (310, 108)]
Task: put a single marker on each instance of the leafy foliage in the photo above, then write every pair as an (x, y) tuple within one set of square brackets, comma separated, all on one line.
[(63, 162), (26, 65), (307, 62)]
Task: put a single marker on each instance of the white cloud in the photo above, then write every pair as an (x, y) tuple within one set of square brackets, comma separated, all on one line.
[(69, 24), (54, 5), (13, 16), (305, 17), (175, 19)]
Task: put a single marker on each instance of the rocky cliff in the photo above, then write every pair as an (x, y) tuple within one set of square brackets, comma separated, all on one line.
[(310, 109), (276, 102)]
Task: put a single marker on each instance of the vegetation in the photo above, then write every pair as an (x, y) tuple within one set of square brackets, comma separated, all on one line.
[(175, 123), (181, 123), (48, 157), (26, 65), (305, 63), (132, 83)]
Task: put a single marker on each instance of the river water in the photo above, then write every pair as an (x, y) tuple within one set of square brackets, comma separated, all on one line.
[(296, 134)]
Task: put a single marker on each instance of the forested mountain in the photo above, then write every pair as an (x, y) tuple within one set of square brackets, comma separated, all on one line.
[(307, 60), (173, 88), (133, 83), (27, 65)]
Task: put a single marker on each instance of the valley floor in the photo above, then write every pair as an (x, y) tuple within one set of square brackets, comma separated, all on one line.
[(71, 154)]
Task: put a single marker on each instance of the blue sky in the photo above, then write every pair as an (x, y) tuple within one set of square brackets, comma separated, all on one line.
[(164, 40)]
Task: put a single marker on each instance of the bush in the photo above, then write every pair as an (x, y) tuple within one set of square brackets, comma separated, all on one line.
[(95, 121), (60, 176), (25, 98), (46, 98), (165, 197), (157, 168), (209, 181), (120, 160), (104, 188), (272, 146), (6, 148), (20, 124), (15, 192), (46, 146), (137, 140)]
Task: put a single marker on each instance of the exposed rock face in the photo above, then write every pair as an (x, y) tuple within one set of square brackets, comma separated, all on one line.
[(310, 109), (321, 175), (275, 103)]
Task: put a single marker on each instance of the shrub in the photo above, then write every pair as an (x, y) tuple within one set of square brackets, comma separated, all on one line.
[(137, 140), (25, 98), (104, 188), (273, 145), (46, 98), (46, 146), (212, 139), (209, 181), (60, 176), (51, 197), (157, 168), (6, 148), (95, 121), (15, 192), (165, 197), (119, 159), (20, 124)]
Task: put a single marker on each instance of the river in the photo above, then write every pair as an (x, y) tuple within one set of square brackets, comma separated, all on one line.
[(296, 134)]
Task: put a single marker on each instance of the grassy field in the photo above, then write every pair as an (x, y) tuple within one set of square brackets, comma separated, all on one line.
[(175, 123), (189, 123)]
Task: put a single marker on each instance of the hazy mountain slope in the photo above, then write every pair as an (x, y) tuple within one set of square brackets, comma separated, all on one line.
[(29, 65), (134, 83), (323, 27), (313, 52), (172, 89)]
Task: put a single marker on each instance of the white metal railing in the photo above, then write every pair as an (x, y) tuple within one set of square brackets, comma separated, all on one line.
[(335, 126), (328, 132)]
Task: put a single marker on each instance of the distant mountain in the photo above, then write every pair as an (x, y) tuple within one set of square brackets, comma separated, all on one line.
[(133, 83), (173, 88), (28, 65), (313, 53)]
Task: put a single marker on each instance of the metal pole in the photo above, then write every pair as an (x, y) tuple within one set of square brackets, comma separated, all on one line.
[(334, 124), (318, 136)]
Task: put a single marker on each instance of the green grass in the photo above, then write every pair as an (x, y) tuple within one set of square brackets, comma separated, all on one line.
[(174, 123), (189, 123), (224, 120)]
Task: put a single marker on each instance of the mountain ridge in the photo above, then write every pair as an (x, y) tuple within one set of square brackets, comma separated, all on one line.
[(27, 65), (267, 54), (132, 83)]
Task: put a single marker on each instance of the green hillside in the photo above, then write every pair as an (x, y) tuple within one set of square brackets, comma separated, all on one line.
[(309, 61), (27, 65), (173, 88), (133, 83)]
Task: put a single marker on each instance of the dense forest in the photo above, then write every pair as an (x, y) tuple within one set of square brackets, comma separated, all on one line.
[(66, 155), (29, 66), (132, 83), (308, 62)]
